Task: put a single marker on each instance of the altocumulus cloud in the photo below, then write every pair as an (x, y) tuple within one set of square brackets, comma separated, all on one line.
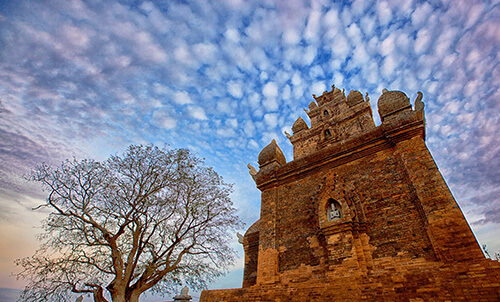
[(87, 78)]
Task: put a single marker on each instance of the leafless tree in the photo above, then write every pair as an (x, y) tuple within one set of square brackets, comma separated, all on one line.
[(148, 220), (487, 254)]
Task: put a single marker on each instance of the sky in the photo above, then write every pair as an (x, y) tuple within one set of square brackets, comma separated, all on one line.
[(86, 79)]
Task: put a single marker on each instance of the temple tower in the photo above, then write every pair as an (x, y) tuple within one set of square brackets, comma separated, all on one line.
[(361, 213)]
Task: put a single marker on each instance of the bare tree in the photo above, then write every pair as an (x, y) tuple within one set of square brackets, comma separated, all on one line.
[(487, 254), (149, 220)]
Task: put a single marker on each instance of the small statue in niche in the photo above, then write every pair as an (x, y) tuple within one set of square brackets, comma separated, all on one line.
[(334, 211)]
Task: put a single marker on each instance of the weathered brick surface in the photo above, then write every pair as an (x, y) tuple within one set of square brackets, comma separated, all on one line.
[(400, 236)]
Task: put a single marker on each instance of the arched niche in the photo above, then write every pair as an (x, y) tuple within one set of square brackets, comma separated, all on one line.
[(333, 210)]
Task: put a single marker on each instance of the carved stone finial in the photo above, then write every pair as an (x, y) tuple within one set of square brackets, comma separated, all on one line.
[(314, 96), (287, 135), (306, 111), (253, 172), (392, 102), (384, 90), (333, 87), (299, 125), (240, 237), (419, 105), (271, 153), (312, 105), (354, 98), (367, 98)]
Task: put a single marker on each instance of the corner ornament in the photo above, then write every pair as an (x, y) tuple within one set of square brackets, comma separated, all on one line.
[(253, 172)]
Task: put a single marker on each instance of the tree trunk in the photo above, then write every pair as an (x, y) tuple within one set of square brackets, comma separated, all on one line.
[(118, 295), (134, 296)]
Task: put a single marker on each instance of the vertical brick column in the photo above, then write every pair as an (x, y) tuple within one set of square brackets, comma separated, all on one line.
[(447, 228), (251, 247), (267, 267)]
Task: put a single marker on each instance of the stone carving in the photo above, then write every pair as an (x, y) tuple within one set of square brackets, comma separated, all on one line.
[(271, 153), (392, 102), (288, 135), (333, 212), (253, 172), (299, 125), (240, 237), (354, 98), (312, 105), (419, 105)]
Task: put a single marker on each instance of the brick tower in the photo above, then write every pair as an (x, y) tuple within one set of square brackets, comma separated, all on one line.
[(362, 213)]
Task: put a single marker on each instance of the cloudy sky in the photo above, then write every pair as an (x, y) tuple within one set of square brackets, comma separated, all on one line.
[(223, 78)]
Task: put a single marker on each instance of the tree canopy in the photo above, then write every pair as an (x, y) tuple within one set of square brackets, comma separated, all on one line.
[(152, 219)]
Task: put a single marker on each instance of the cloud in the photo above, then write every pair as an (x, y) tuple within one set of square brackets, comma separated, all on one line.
[(182, 98), (226, 132), (367, 25), (360, 55), (235, 89), (149, 50), (388, 66), (309, 55), (232, 35), (313, 25), (291, 36), (271, 120), (271, 104), (318, 88), (488, 207), (474, 13), (224, 106), (163, 120), (388, 45), (421, 14), (331, 22), (232, 123), (270, 90), (249, 128), (205, 52), (296, 80), (197, 113), (76, 36), (384, 13), (340, 46), (182, 54)]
